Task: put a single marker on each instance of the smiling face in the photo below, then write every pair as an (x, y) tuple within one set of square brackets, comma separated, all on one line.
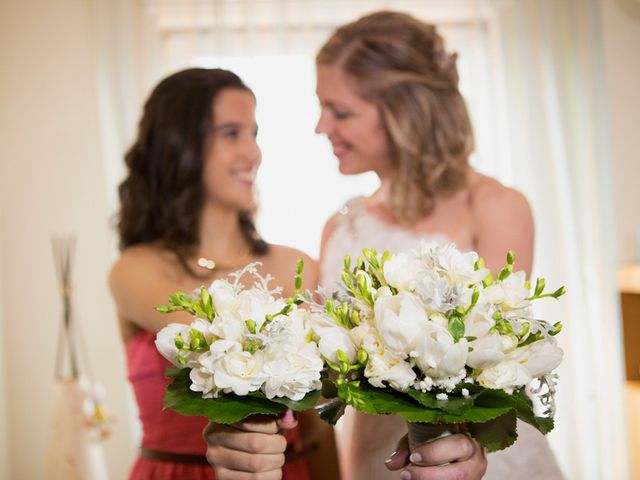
[(232, 155), (353, 125)]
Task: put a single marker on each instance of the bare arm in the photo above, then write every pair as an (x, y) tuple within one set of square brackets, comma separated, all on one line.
[(139, 282), (503, 222)]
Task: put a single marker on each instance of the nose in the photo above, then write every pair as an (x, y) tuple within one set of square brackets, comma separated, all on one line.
[(323, 124), (252, 151)]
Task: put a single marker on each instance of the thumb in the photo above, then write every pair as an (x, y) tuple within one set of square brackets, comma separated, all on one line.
[(400, 457), (287, 421)]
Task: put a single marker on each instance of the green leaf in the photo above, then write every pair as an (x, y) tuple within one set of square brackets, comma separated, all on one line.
[(496, 434), (456, 326), (308, 401), (457, 405), (225, 409)]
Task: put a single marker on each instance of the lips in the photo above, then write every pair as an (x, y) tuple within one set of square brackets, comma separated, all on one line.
[(246, 176), (340, 150)]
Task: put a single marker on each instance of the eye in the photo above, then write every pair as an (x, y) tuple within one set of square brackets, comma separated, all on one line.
[(230, 132), (341, 114)]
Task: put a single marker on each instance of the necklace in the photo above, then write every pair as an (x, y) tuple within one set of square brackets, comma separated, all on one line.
[(210, 264)]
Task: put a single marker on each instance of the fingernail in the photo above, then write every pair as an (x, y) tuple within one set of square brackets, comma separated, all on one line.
[(391, 457), (405, 475), (289, 416), (415, 458)]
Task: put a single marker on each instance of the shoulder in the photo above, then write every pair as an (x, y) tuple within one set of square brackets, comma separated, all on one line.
[(138, 263), (281, 261), (339, 217), (490, 198)]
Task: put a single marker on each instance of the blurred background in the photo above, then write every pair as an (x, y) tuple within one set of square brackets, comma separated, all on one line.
[(553, 88)]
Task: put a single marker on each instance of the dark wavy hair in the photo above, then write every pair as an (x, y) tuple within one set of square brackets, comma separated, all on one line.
[(400, 64), (161, 198)]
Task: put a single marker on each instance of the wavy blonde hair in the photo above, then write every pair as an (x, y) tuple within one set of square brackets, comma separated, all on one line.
[(399, 64)]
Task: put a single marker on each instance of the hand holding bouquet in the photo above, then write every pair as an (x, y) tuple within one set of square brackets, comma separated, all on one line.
[(435, 337), (246, 351)]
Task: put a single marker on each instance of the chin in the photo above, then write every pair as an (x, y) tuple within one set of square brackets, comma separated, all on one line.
[(351, 168)]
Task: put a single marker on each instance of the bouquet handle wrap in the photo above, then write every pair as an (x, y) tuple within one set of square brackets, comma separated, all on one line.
[(420, 433)]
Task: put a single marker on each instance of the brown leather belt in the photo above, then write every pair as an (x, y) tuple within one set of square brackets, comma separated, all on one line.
[(150, 454), (159, 456)]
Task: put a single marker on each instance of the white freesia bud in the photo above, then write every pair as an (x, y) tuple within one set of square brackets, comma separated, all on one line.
[(383, 292), (398, 320), (166, 343)]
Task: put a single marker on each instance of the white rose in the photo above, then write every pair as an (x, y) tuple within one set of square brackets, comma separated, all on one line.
[(437, 355), (402, 271), (239, 372), (505, 375), (391, 369), (223, 296), (166, 343), (292, 373), (398, 320)]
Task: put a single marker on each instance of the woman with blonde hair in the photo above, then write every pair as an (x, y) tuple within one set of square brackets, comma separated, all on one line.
[(390, 104)]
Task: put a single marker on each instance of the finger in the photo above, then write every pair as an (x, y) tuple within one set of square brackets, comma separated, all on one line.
[(287, 421), (470, 470), (226, 474), (236, 460), (400, 457), (250, 442), (453, 448)]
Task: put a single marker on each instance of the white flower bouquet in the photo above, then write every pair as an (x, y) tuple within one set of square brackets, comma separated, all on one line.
[(435, 337), (246, 351)]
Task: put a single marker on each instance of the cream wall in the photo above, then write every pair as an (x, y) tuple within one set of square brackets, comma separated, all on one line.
[(621, 32), (52, 182), (4, 394)]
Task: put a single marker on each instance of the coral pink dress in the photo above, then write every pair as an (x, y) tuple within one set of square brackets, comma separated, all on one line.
[(166, 431)]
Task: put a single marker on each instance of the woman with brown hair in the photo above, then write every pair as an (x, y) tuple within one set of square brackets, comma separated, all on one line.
[(185, 220), (390, 104)]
